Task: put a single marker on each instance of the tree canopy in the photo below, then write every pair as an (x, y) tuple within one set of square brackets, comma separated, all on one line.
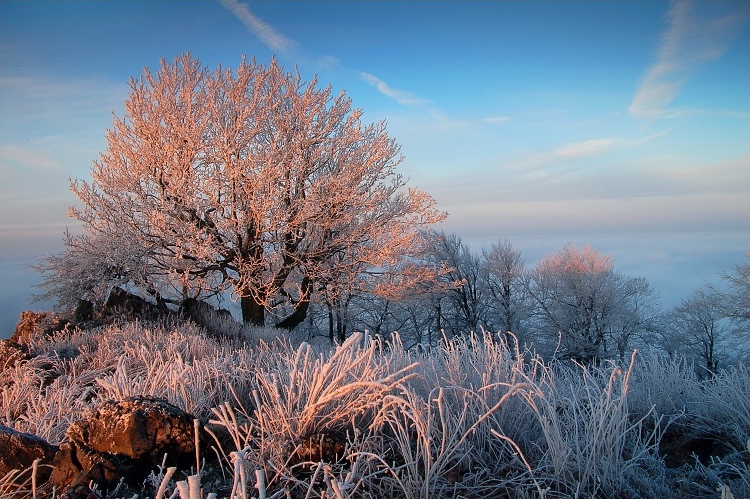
[(586, 306), (256, 182)]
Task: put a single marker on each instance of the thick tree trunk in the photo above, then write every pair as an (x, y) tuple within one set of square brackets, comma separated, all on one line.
[(252, 312), (297, 317), (300, 310)]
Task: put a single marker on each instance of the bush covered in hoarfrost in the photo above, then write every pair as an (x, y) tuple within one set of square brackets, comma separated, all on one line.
[(370, 418)]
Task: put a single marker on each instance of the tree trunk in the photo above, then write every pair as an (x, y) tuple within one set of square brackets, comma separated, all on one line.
[(340, 327), (296, 317), (300, 309), (252, 312), (330, 322)]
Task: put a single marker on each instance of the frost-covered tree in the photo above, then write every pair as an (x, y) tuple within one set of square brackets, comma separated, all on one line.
[(712, 325), (463, 308), (737, 307), (637, 317), (90, 266), (700, 328), (510, 303), (736, 300), (581, 301), (256, 182)]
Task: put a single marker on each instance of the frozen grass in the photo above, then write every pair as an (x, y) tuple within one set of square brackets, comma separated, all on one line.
[(593, 443), (369, 418)]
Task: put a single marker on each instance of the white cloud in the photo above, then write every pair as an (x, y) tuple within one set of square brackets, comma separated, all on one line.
[(689, 41), (36, 98), (543, 164), (404, 98), (264, 32), (278, 42), (327, 62)]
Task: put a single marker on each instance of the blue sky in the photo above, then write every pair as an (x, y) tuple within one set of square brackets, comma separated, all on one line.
[(623, 125)]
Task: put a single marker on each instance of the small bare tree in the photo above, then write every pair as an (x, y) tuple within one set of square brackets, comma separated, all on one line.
[(511, 304), (463, 308), (255, 182), (736, 302), (712, 324), (737, 306), (90, 266), (701, 329)]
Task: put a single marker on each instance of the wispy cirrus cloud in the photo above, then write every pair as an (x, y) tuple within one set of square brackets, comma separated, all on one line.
[(689, 41), (596, 147), (400, 96), (263, 31), (588, 148), (30, 97), (573, 157), (283, 45)]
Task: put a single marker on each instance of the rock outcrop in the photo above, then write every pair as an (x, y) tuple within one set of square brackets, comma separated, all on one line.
[(215, 321), (142, 429), (18, 451), (36, 324), (123, 304), (117, 445), (76, 467), (10, 353)]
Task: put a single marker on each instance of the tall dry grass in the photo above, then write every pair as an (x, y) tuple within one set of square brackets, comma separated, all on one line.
[(369, 418)]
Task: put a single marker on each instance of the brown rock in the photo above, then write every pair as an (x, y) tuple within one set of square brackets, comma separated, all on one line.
[(209, 318), (19, 450), (122, 442), (140, 428), (321, 447), (84, 311), (75, 466), (35, 324), (680, 446), (124, 304)]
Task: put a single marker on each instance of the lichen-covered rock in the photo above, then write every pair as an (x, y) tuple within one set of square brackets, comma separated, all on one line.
[(140, 428), (19, 450)]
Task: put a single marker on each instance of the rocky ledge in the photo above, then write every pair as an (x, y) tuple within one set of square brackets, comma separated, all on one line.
[(117, 445)]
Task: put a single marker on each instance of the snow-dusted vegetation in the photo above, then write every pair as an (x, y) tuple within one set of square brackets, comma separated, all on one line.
[(370, 418), (255, 185)]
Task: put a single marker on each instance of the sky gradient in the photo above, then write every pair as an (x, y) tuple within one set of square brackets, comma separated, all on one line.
[(623, 125)]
